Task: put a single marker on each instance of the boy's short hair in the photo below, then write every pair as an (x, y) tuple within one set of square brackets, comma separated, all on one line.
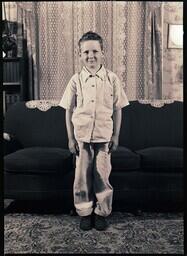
[(91, 36)]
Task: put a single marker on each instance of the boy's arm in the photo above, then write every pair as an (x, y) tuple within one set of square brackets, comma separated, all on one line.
[(73, 145), (116, 130)]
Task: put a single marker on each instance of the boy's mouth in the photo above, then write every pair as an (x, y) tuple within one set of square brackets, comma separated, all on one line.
[(91, 60)]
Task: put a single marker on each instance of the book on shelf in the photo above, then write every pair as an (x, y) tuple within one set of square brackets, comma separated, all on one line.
[(11, 99), (11, 72)]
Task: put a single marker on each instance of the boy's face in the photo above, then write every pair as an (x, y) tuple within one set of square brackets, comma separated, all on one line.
[(91, 54)]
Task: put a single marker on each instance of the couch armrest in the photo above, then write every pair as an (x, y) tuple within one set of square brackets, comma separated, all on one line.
[(10, 144)]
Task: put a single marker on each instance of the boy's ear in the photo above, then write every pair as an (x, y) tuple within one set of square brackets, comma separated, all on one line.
[(79, 52)]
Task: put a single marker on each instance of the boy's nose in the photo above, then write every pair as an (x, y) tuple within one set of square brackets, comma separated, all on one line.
[(90, 55)]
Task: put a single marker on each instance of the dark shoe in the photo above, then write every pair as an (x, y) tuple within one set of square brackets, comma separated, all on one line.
[(100, 222), (86, 222)]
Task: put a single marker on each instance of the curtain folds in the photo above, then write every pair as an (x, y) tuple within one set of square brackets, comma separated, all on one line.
[(132, 33), (153, 44), (27, 16)]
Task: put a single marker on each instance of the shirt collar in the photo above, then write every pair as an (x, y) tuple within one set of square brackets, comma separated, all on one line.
[(86, 74)]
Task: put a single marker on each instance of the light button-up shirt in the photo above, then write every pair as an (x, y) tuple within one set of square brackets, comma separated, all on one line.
[(93, 100)]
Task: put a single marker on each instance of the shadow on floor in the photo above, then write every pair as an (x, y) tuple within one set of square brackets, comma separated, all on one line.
[(56, 207)]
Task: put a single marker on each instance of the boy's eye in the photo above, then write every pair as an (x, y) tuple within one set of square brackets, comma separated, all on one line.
[(94, 51)]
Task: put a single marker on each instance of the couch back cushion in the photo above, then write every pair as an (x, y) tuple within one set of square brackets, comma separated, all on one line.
[(33, 127), (145, 126), (142, 125)]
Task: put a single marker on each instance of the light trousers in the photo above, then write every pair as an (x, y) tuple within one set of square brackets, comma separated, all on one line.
[(91, 189)]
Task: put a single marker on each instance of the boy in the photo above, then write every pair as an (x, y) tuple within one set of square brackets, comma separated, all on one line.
[(93, 100)]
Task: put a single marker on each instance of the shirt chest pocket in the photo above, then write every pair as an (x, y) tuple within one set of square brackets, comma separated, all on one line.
[(108, 95)]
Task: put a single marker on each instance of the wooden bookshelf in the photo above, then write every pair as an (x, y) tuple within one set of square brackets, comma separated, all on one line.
[(14, 80)]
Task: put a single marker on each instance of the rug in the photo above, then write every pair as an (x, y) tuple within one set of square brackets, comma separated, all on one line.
[(148, 233)]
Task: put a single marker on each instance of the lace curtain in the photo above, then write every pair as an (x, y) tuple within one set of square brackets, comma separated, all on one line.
[(56, 27)]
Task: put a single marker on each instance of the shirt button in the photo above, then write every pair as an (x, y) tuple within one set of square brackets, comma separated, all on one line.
[(93, 85), (92, 100)]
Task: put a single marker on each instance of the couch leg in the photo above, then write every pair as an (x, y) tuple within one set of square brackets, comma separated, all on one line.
[(73, 212), (7, 204), (138, 212)]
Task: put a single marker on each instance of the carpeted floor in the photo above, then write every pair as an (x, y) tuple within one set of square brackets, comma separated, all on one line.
[(148, 233)]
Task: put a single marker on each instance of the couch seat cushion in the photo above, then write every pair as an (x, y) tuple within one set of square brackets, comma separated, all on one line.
[(169, 158), (124, 159), (39, 160)]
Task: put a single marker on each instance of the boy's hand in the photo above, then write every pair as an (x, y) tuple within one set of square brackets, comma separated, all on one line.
[(73, 146), (113, 144)]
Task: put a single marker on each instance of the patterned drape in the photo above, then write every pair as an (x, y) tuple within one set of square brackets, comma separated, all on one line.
[(122, 24)]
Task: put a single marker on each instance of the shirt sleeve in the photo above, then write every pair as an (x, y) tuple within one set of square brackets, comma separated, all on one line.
[(120, 98), (68, 99)]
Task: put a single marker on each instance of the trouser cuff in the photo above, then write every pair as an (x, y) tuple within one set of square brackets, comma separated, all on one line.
[(100, 213), (84, 212)]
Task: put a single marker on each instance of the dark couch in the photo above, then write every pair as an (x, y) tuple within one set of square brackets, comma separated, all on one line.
[(147, 168)]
